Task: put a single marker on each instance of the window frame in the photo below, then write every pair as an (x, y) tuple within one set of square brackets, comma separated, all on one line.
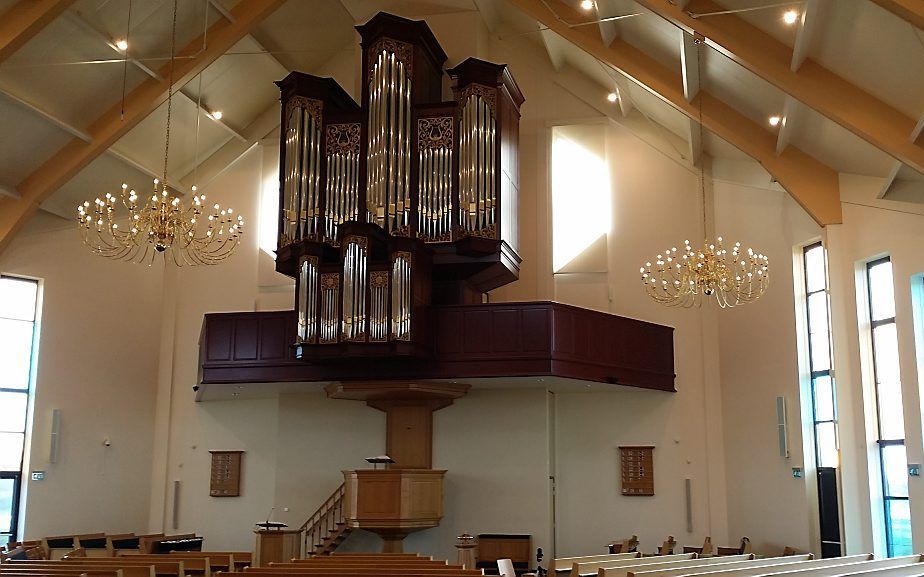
[(28, 391), (880, 442), (829, 372)]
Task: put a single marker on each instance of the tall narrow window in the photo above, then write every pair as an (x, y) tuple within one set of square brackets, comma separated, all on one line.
[(896, 509), (17, 332), (824, 404)]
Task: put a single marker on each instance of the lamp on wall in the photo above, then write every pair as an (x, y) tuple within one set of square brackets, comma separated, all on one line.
[(687, 276), (191, 233)]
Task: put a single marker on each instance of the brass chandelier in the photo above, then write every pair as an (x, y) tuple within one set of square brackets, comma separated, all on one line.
[(190, 233), (685, 278)]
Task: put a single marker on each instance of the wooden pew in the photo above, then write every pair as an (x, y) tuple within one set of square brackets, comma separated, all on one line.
[(58, 573), (629, 545), (667, 548), (788, 569), (333, 560), (706, 549), (63, 567), (654, 563), (743, 547), (302, 570), (239, 559), (395, 563), (594, 566), (337, 555), (910, 570), (95, 544), (724, 563), (164, 566), (566, 563), (191, 565), (57, 547), (284, 572), (858, 568)]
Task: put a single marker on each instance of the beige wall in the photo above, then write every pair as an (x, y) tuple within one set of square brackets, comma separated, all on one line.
[(98, 328)]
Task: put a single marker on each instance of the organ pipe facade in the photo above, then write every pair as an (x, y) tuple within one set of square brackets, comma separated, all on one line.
[(399, 201)]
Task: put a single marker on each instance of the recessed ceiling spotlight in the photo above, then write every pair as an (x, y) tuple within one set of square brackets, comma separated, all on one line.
[(216, 114), (122, 44), (790, 16), (587, 4), (774, 120), (612, 97)]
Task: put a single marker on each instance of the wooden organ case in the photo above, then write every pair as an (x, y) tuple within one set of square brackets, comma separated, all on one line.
[(398, 203)]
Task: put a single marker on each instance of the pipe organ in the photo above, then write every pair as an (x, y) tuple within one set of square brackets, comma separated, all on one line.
[(397, 203)]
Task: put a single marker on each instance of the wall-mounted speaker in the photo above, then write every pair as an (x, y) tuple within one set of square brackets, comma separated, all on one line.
[(55, 440), (176, 504), (781, 426)]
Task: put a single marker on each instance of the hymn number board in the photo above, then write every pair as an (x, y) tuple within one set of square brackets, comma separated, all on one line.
[(226, 474), (637, 465)]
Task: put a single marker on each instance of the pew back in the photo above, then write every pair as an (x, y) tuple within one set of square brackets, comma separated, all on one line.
[(724, 562), (654, 563), (594, 566), (787, 569), (566, 563)]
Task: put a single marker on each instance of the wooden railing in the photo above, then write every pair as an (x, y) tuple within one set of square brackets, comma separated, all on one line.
[(325, 522)]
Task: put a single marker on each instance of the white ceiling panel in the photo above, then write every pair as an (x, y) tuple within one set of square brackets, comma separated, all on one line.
[(739, 88), (837, 147), (653, 35), (105, 174), (26, 141), (145, 142), (240, 84), (304, 35), (52, 71), (875, 50)]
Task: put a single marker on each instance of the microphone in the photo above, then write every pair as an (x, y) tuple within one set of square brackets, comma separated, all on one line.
[(270, 516)]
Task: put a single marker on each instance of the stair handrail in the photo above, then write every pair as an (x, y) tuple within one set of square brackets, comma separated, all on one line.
[(327, 517)]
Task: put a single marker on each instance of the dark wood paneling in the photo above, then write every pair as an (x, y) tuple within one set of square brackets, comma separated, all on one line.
[(486, 340)]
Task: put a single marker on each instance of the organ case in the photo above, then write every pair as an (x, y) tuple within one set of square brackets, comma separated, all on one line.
[(403, 200)]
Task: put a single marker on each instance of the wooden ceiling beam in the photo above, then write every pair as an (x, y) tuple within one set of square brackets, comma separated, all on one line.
[(910, 10), (22, 21), (815, 86), (109, 127), (811, 183)]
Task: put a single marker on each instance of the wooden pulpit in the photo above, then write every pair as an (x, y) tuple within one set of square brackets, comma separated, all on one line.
[(393, 502), (276, 546)]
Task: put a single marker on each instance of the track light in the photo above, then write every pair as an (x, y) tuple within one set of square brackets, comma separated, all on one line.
[(216, 114), (790, 17), (587, 4), (122, 44), (612, 97), (774, 120)]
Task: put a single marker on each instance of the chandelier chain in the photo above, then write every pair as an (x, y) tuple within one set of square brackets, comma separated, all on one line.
[(687, 276), (699, 95), (170, 88)]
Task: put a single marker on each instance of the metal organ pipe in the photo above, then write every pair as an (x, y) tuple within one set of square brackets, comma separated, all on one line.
[(342, 189), (388, 179), (477, 151)]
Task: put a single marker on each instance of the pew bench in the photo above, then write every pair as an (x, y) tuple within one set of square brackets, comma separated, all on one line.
[(837, 566), (660, 562), (567, 563), (721, 563), (60, 568), (594, 567)]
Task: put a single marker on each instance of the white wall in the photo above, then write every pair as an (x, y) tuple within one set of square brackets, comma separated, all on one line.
[(99, 323)]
